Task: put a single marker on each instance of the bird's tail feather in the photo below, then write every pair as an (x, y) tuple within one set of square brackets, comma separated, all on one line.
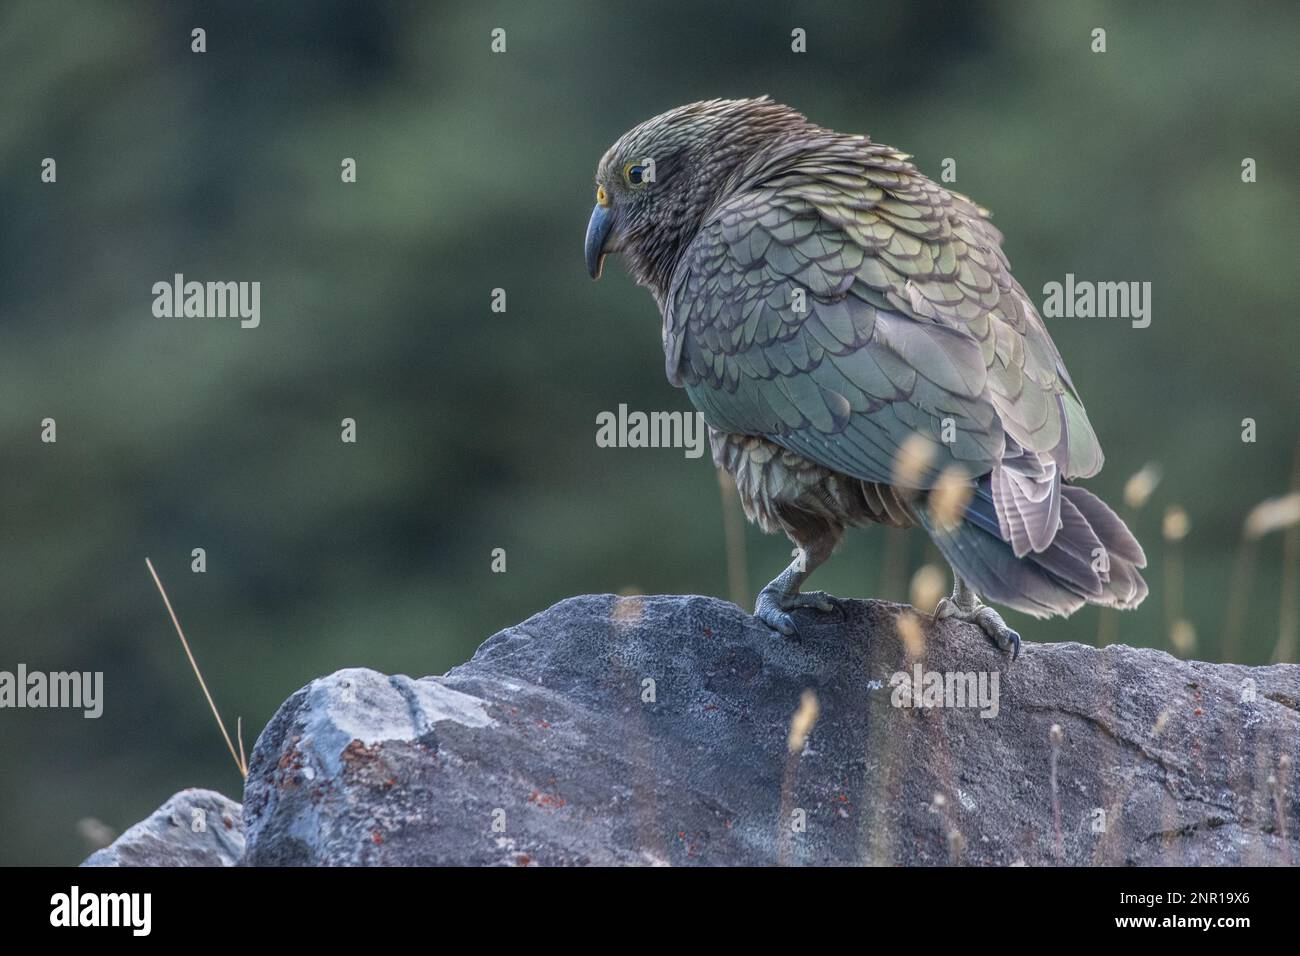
[(1092, 559)]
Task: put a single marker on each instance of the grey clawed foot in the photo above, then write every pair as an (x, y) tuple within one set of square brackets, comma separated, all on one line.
[(774, 606), (986, 619)]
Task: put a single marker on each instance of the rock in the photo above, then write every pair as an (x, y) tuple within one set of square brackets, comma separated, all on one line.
[(193, 828), (654, 730)]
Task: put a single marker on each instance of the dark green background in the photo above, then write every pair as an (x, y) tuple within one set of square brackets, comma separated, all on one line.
[(476, 430)]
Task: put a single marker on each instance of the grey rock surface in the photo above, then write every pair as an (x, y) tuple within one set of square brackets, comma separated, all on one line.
[(193, 828), (654, 730)]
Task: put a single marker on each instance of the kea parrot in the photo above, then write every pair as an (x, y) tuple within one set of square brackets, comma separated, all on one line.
[(861, 353)]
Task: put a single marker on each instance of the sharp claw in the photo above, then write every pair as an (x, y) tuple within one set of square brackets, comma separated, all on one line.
[(992, 624), (773, 608), (1006, 640), (987, 620), (778, 620)]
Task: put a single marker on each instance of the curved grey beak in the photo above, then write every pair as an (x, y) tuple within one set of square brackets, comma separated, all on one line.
[(602, 218)]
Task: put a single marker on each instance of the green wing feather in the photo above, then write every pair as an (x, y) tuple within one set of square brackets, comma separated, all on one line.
[(911, 317)]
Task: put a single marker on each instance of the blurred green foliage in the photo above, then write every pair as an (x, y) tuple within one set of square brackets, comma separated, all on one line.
[(476, 430)]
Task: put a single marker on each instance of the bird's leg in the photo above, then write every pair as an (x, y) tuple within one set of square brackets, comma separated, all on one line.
[(965, 605), (778, 599)]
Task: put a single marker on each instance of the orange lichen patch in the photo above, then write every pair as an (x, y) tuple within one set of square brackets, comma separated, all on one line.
[(291, 758), (356, 755), (290, 762), (547, 800)]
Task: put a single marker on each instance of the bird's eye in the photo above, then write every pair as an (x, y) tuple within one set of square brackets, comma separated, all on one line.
[(637, 174)]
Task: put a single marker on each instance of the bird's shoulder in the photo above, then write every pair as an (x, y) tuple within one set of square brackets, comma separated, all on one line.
[(829, 210)]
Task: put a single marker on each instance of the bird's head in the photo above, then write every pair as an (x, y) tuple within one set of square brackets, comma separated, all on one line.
[(654, 185)]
